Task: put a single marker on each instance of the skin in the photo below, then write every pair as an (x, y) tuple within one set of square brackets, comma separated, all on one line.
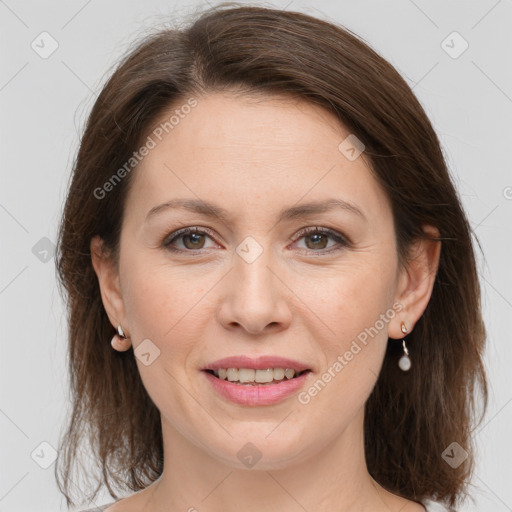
[(300, 299)]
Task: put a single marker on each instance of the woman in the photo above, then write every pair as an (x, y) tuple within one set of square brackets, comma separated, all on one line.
[(261, 220)]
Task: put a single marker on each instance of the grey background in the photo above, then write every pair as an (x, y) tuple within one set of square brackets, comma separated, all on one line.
[(44, 103)]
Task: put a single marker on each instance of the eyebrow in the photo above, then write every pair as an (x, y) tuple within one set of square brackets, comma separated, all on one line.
[(211, 210)]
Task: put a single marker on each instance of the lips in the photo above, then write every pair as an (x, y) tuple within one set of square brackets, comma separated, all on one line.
[(259, 363), (256, 394), (253, 393)]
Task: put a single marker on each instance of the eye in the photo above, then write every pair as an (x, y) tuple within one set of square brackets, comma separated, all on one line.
[(318, 239), (192, 239)]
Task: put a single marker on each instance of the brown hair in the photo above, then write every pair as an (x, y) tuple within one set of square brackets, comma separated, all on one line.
[(410, 419)]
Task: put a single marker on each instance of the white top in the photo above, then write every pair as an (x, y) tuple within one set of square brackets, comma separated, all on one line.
[(430, 505), (436, 506)]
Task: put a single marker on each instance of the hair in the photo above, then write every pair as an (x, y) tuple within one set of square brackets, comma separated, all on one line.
[(410, 418)]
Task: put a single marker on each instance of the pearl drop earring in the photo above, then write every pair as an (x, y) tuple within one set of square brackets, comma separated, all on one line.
[(404, 363)]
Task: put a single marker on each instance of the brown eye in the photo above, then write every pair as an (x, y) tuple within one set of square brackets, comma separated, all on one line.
[(192, 239), (317, 239)]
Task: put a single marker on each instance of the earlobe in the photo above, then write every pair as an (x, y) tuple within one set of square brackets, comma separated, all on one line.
[(108, 280), (416, 280)]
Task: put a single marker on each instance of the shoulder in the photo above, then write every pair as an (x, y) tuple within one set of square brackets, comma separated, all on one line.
[(436, 506)]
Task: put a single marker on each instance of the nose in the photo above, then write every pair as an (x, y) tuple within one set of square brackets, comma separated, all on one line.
[(255, 297)]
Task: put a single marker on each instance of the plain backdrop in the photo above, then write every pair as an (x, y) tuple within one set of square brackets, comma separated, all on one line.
[(44, 99)]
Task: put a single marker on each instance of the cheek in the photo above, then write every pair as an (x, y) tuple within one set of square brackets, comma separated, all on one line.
[(169, 308), (150, 293), (350, 300), (151, 303), (166, 305), (356, 305)]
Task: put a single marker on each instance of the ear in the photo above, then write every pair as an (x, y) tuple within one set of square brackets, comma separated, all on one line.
[(416, 281), (108, 278)]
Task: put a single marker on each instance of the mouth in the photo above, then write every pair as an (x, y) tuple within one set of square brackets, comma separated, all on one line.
[(252, 377)]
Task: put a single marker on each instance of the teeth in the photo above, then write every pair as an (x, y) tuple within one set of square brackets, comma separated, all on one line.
[(279, 374), (232, 374), (264, 375), (248, 375), (289, 373)]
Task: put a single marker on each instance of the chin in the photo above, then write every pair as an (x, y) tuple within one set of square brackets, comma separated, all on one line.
[(256, 453)]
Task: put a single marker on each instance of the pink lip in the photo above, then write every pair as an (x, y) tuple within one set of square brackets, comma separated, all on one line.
[(259, 363), (253, 395)]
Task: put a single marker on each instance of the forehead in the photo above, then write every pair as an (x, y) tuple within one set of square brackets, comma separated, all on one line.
[(252, 153)]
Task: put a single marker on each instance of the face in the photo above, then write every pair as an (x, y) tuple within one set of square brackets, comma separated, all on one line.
[(268, 278)]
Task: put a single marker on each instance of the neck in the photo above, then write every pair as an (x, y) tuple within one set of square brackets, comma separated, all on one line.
[(333, 478)]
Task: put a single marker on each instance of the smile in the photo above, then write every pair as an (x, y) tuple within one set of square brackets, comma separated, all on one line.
[(250, 387), (253, 376)]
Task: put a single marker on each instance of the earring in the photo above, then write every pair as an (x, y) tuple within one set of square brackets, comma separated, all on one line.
[(120, 342), (404, 363)]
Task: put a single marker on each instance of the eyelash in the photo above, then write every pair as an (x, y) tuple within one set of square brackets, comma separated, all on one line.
[(340, 239)]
